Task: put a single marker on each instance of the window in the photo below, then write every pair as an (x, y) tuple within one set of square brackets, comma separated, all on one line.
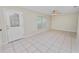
[(41, 22), (14, 20)]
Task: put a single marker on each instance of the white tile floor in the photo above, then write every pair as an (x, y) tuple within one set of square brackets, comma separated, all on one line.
[(47, 42)]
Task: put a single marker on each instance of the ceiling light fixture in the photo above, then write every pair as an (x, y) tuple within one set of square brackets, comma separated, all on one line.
[(55, 12)]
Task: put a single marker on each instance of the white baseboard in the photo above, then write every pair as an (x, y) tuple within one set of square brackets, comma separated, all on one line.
[(64, 30)]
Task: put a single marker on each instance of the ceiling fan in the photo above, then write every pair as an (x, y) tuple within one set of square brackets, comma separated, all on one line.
[(55, 13), (75, 6)]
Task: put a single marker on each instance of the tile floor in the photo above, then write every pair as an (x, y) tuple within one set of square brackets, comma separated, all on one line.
[(47, 42)]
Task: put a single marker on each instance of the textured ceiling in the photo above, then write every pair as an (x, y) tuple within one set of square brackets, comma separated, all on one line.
[(48, 9)]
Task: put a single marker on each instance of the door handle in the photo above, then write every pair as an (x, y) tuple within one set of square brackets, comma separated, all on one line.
[(0, 29)]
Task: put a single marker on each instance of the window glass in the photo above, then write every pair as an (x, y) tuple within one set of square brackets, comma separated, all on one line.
[(40, 22), (14, 20)]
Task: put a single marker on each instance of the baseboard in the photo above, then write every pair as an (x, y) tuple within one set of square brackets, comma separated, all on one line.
[(63, 30)]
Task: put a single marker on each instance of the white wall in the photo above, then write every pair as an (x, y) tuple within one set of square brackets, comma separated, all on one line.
[(0, 34), (77, 40), (67, 22), (30, 26), (0, 28)]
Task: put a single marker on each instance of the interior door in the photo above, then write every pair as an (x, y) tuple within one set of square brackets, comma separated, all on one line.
[(14, 25)]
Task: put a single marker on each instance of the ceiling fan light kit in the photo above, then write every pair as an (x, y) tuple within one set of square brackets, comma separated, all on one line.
[(55, 12)]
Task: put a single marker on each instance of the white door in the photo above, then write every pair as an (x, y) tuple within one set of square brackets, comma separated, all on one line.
[(14, 26)]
